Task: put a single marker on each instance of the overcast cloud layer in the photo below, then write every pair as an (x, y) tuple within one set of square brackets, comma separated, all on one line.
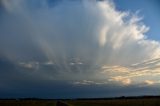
[(81, 43)]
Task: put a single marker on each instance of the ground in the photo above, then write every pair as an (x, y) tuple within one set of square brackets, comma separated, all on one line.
[(99, 102)]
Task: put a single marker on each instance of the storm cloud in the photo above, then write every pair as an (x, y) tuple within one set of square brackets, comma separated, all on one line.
[(85, 42)]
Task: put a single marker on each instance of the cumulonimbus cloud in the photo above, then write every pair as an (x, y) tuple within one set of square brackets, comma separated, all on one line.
[(77, 37)]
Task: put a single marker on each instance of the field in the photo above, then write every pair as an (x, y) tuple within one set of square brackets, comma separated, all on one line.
[(120, 102), (108, 102)]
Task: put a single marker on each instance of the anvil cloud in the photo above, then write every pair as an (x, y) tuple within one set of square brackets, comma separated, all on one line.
[(85, 42)]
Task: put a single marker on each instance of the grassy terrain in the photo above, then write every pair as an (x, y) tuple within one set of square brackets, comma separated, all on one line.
[(114, 102), (120, 102), (27, 103)]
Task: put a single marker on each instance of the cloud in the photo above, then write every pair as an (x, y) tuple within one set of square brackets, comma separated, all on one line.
[(89, 82), (30, 65), (148, 82), (77, 40), (137, 74), (120, 79)]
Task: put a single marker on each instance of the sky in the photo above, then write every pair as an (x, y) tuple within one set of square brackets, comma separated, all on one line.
[(79, 48), (148, 9)]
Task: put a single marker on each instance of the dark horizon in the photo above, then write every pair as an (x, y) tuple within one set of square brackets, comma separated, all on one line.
[(101, 98)]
